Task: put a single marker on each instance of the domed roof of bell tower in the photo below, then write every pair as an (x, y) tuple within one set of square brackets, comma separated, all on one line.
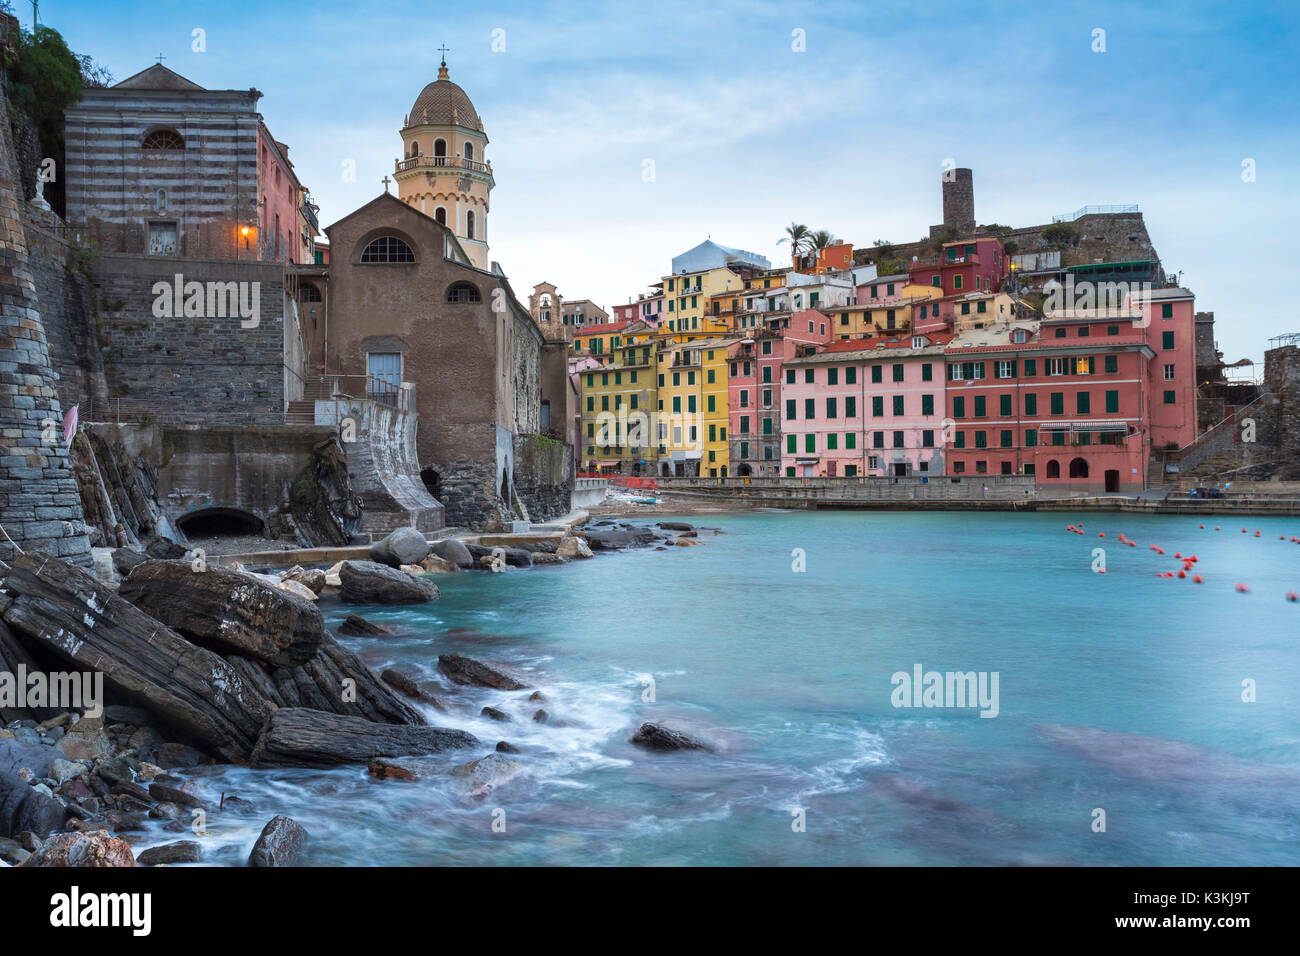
[(443, 103)]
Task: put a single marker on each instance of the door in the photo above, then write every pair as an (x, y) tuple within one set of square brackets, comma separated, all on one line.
[(900, 469), (1112, 479), (831, 468), (384, 371)]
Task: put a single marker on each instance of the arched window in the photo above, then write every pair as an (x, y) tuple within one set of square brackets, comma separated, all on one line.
[(415, 149), (160, 201), (163, 139), (469, 150), (387, 249), (462, 292), (1078, 468), (469, 225), (309, 293), (440, 214), (440, 147), (1053, 469)]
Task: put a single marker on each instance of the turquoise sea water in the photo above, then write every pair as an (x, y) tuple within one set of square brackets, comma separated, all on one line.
[(1120, 691)]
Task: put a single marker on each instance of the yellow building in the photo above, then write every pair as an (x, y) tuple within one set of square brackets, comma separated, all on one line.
[(689, 298), (692, 405), (618, 403)]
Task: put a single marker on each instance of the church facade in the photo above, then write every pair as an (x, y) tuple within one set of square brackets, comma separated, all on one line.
[(420, 316)]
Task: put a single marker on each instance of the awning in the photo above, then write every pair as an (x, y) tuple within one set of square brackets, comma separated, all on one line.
[(1098, 426)]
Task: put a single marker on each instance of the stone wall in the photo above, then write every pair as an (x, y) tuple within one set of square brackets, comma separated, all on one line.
[(543, 476), (527, 375), (61, 267), (40, 501), (1280, 426), (193, 368)]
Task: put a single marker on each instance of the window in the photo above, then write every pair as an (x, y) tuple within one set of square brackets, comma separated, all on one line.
[(790, 445), (810, 408), (1171, 397), (767, 425), (980, 409), (1169, 373), (1058, 403), (877, 441), (958, 407), (1031, 438), (877, 373), (388, 249), (163, 139), (927, 404), (832, 376), (1112, 330), (959, 439), (767, 348), (927, 372), (898, 439), (1112, 401), (898, 372), (1167, 340), (898, 405), (1112, 363), (1031, 403), (850, 407), (850, 440), (958, 467), (789, 376), (832, 441), (1083, 402), (1056, 366), (1019, 336), (789, 409), (1006, 438), (1031, 368), (469, 225), (1083, 332), (1005, 369), (1060, 333), (440, 214), (965, 308), (809, 376), (1004, 405), (831, 408), (927, 438), (877, 406), (809, 443), (744, 424), (1167, 310), (981, 439)]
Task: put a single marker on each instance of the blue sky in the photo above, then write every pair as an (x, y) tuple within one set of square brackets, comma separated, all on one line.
[(746, 134)]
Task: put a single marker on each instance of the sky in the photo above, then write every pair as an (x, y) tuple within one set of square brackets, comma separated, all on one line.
[(622, 134)]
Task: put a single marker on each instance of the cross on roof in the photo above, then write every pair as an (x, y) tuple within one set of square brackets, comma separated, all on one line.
[(161, 57), (444, 51)]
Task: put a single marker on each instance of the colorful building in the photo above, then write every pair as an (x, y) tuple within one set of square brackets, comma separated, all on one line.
[(692, 405), (969, 265)]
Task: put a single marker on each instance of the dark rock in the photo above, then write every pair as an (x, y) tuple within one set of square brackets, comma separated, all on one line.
[(133, 790), (121, 714), (237, 805), (163, 549), (655, 737), (356, 626), (175, 756), (166, 794), (675, 526), (95, 848), (612, 539), (537, 696), (467, 671), (506, 748), (299, 737), (449, 549), (115, 771), (227, 611), (24, 808), (403, 546), (184, 851), (29, 841), (404, 685), (541, 716), (493, 714), (366, 582), (124, 559), (280, 844)]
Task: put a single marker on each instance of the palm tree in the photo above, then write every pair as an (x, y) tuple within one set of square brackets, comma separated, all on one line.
[(797, 235), (820, 239)]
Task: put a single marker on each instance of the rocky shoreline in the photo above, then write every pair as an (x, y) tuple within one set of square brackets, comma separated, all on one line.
[(204, 664)]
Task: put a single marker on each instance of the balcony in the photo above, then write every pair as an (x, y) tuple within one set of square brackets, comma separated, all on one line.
[(448, 162)]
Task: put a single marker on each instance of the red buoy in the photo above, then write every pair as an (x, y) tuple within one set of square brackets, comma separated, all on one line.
[(1182, 574), (1101, 534), (1242, 588), (1290, 595), (1197, 578)]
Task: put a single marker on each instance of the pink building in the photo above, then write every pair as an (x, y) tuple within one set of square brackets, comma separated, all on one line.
[(969, 265), (754, 383), (865, 407), (1080, 401), (283, 213)]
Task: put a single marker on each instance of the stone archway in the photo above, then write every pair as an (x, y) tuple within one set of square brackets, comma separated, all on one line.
[(220, 523)]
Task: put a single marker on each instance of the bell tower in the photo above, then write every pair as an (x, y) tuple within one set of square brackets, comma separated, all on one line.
[(444, 170)]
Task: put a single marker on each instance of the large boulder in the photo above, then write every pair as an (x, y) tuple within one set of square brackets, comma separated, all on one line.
[(356, 626), (367, 582), (449, 549), (280, 844), (403, 546), (467, 671), (617, 538), (301, 737), (573, 547), (227, 611), (125, 560), (479, 777), (94, 848), (655, 737), (24, 808), (184, 851)]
